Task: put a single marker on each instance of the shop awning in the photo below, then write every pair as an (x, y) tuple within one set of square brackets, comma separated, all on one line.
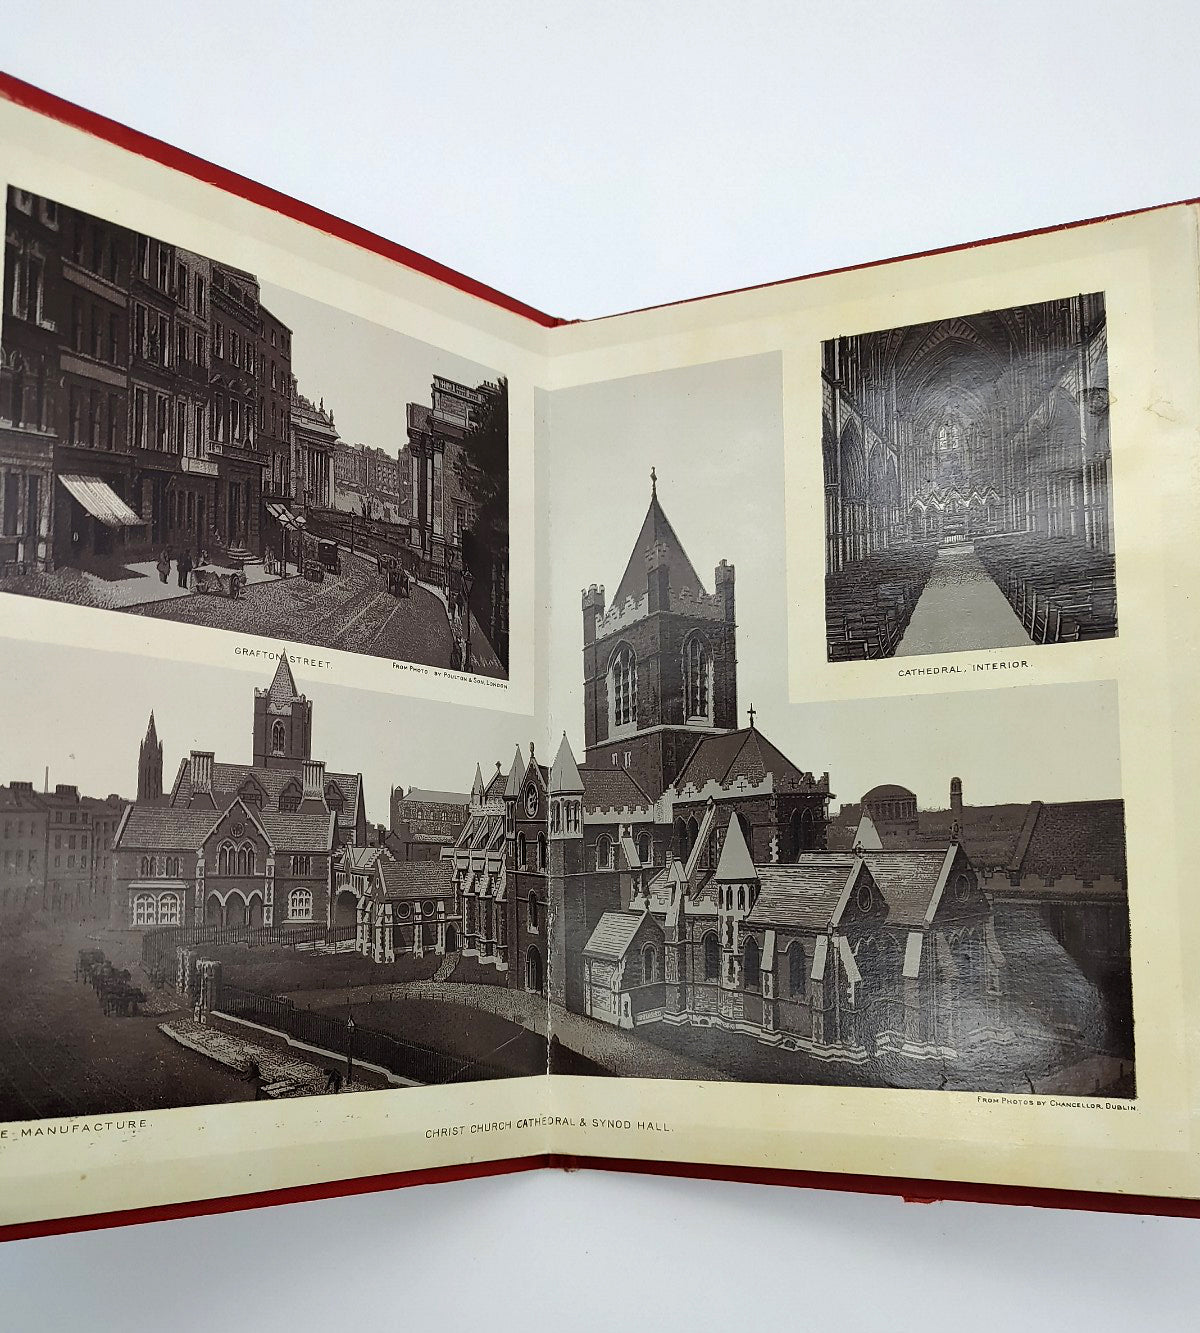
[(102, 502), (282, 514)]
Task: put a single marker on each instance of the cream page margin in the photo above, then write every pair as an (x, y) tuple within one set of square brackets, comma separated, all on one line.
[(1147, 266), (187, 1154), (73, 168)]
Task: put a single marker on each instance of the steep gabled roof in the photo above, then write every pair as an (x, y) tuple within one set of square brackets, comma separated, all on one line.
[(615, 932), (516, 775), (228, 779), (803, 895), (1078, 840), (656, 531), (415, 879), (734, 862), (742, 756), (612, 789), (907, 881)]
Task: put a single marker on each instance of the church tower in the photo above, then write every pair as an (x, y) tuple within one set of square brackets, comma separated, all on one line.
[(660, 663), (566, 887), (282, 723), (150, 765)]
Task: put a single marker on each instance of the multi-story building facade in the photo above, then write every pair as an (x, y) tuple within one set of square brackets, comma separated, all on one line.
[(23, 823), (314, 439), (274, 403), (233, 379), (29, 379)]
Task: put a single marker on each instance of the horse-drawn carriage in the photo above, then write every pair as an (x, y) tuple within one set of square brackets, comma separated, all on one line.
[(113, 986), (399, 581)]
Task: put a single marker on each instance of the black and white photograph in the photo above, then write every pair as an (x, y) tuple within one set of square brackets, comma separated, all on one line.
[(968, 483), (184, 441), (899, 892)]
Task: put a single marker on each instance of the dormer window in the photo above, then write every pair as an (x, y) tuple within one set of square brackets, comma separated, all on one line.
[(622, 683)]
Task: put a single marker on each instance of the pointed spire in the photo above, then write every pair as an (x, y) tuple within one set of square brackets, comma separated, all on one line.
[(477, 786), (283, 686), (656, 531), (151, 731), (735, 862), (564, 775), (512, 788)]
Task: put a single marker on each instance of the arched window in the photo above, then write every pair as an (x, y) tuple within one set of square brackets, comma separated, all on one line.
[(144, 910), (622, 687), (649, 964), (742, 899), (556, 817), (797, 980), (696, 669), (534, 913), (300, 905), (224, 859), (278, 737), (604, 852), (521, 850), (533, 970), (541, 851), (170, 909), (693, 831), (246, 859), (645, 849), (146, 863), (750, 964), (302, 866), (712, 957), (681, 839)]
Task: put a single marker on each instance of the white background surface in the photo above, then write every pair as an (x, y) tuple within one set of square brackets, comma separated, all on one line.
[(587, 159)]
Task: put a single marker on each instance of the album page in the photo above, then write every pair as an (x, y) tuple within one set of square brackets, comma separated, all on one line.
[(272, 906), (871, 682)]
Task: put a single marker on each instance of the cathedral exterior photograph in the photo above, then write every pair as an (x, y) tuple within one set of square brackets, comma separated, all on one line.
[(968, 483), (169, 449)]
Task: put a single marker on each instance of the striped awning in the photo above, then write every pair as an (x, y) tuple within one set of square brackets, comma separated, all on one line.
[(282, 514), (102, 502)]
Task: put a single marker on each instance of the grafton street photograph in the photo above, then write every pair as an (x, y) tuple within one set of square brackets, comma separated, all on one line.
[(968, 483), (180, 440)]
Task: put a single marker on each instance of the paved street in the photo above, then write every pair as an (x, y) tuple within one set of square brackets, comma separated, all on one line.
[(352, 610), (60, 1056)]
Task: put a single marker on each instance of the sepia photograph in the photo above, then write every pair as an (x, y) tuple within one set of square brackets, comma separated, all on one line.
[(968, 483), (892, 892), (184, 441)]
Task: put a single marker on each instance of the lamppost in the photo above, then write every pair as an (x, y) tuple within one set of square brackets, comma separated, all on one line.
[(349, 1049), (468, 582)]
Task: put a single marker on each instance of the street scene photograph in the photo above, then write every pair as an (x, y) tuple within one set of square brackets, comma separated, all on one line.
[(183, 441)]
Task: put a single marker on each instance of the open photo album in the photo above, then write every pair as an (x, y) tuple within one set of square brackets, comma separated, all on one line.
[(754, 735)]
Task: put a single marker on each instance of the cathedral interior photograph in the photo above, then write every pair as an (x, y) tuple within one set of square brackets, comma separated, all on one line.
[(968, 483)]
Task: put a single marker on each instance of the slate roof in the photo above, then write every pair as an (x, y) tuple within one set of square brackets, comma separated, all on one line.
[(564, 773), (803, 895), (282, 689), (228, 778), (416, 879), (298, 831), (431, 797), (656, 529), (745, 754), (612, 789), (907, 881), (155, 828), (613, 935), (360, 858), (990, 834), (1083, 840)]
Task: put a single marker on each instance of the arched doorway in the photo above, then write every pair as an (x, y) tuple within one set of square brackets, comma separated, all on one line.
[(255, 913), (451, 940), (345, 909), (534, 980), (213, 914), (235, 910)]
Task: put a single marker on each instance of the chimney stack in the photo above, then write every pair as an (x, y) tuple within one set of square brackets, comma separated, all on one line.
[(314, 779), (956, 808), (202, 771)]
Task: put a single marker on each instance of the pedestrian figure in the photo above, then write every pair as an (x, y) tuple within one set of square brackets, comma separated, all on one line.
[(333, 1080), (254, 1075), (164, 564), (184, 567)]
